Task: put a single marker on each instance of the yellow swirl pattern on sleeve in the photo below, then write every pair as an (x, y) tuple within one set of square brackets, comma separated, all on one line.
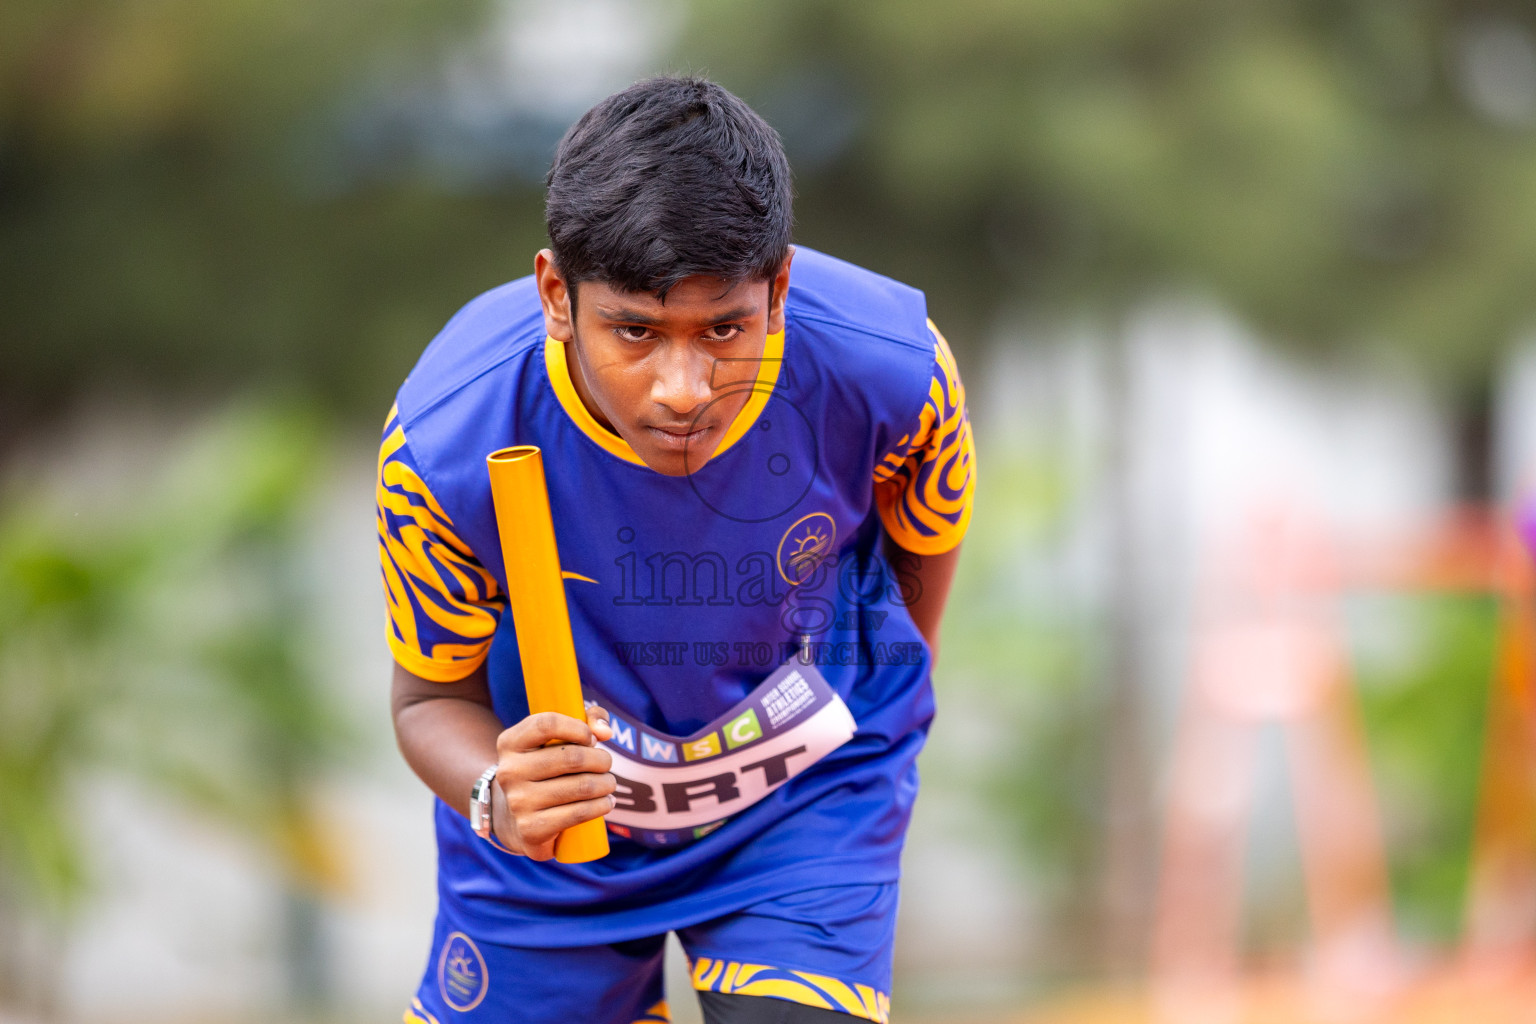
[(443, 604), (732, 978), (924, 487)]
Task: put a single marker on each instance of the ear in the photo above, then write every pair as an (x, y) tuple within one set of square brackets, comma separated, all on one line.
[(779, 292), (554, 297)]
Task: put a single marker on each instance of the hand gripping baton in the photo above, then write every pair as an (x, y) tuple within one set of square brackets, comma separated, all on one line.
[(536, 593)]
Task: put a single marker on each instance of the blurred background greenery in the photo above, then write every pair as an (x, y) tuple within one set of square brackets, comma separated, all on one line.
[(220, 195), (256, 214)]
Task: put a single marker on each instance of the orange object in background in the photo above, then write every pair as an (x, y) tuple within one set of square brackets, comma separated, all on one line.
[(1269, 651), (536, 593)]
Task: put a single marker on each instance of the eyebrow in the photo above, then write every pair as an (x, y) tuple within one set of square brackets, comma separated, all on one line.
[(634, 316)]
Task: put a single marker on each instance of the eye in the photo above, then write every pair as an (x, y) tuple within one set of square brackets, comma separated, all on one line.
[(633, 333), (723, 332)]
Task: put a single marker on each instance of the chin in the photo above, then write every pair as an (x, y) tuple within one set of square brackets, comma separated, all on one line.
[(673, 463)]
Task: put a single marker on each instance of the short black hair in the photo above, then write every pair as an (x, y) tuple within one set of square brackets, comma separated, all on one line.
[(672, 177)]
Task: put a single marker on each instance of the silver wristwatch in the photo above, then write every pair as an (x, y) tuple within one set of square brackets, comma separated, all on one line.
[(480, 803)]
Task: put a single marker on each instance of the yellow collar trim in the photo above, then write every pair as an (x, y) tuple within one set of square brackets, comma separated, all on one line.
[(570, 401)]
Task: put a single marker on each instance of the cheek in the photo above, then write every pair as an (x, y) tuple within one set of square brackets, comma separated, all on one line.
[(623, 385)]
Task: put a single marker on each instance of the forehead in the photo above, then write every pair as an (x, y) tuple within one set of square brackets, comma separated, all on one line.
[(695, 297)]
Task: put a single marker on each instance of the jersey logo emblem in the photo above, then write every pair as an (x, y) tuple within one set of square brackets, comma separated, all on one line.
[(462, 979), (805, 545)]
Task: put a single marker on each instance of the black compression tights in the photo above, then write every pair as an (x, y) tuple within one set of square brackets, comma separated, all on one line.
[(724, 1009)]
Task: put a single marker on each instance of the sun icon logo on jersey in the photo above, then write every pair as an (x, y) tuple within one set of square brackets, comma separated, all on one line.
[(804, 545), (461, 975)]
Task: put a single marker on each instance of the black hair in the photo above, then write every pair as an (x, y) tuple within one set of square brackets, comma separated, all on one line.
[(672, 177)]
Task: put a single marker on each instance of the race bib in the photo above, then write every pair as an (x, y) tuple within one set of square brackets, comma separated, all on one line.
[(674, 789)]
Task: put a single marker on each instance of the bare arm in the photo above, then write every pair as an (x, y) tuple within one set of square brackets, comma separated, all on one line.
[(447, 732), (449, 735), (925, 581)]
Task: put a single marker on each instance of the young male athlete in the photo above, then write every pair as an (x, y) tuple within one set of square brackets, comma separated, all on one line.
[(760, 467)]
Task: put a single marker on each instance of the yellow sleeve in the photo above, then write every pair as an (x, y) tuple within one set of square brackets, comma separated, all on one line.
[(924, 487), (443, 604)]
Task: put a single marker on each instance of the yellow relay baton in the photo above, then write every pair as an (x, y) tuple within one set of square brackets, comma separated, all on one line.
[(536, 593)]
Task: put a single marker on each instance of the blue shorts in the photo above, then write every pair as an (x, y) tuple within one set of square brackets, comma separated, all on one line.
[(828, 948)]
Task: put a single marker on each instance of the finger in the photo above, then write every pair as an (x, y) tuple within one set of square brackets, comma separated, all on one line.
[(537, 797), (531, 808), (546, 727), (552, 762), (544, 826), (597, 721)]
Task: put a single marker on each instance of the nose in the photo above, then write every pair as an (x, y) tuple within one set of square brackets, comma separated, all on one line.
[(682, 379)]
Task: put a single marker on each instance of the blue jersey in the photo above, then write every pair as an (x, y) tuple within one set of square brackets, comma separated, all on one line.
[(687, 593)]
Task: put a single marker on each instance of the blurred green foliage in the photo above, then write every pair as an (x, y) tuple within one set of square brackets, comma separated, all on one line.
[(1336, 171), (1019, 652), (1425, 716), (158, 630), (181, 202), (174, 214)]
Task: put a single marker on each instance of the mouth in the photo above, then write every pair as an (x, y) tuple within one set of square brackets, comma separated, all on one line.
[(679, 438)]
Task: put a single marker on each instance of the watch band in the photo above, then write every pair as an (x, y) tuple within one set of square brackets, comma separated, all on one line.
[(480, 803)]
